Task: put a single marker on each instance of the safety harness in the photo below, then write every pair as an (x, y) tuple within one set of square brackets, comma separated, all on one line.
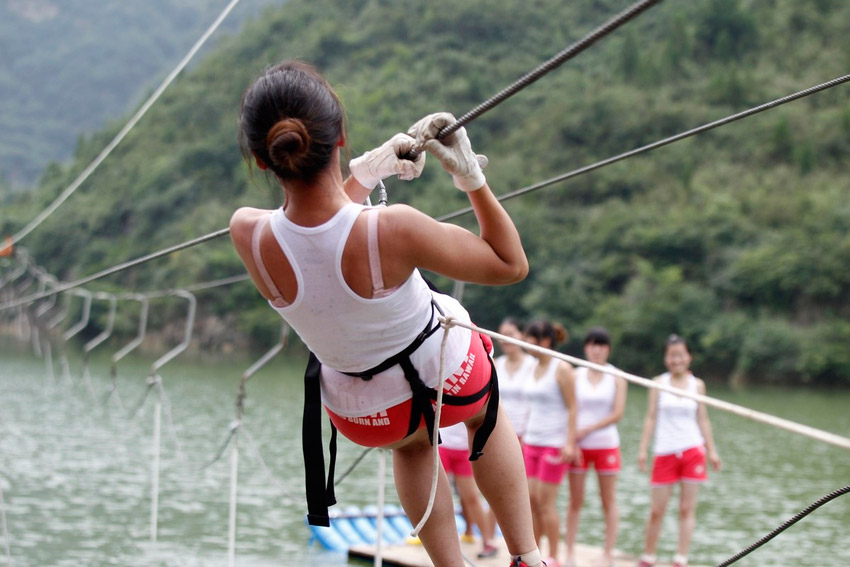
[(320, 494)]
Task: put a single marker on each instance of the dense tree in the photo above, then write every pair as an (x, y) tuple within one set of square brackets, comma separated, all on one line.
[(736, 239)]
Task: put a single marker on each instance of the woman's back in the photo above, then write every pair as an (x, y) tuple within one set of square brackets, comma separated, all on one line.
[(346, 331)]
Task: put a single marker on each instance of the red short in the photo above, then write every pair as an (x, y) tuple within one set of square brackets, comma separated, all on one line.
[(391, 425), (540, 463), (687, 466), (605, 461), (456, 461)]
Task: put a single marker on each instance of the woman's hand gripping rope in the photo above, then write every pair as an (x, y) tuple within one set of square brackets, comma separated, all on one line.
[(386, 160), (454, 151)]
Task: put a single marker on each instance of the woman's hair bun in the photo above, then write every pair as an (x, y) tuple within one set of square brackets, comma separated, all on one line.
[(288, 143), (560, 332)]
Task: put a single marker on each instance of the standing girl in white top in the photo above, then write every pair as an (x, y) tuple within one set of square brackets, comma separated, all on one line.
[(600, 402), (682, 438), (549, 443), (514, 368)]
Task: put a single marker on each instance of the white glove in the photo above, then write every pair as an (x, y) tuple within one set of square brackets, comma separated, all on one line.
[(454, 151), (386, 160)]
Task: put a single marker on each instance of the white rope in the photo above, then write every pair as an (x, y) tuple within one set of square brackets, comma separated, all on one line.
[(125, 130), (446, 323), (779, 422), (379, 526)]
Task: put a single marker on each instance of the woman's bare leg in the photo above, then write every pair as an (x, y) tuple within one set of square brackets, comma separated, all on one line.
[(611, 513), (413, 466), (660, 497), (687, 515), (576, 481), (500, 474)]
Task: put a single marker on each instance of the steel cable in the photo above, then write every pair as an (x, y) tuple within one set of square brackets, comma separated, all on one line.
[(547, 66), (687, 134), (785, 525)]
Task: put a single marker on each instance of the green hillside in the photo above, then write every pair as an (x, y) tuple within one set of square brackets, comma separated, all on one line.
[(737, 239), (67, 68)]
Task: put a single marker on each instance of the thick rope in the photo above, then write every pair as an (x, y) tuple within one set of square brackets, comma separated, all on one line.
[(125, 130), (446, 322), (547, 66), (778, 422), (785, 525)]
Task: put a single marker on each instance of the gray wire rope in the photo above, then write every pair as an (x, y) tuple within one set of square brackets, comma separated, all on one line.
[(33, 224), (586, 169), (660, 143), (785, 525), (547, 66), (116, 269)]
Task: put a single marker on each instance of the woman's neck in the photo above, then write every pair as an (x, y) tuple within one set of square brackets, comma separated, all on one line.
[(543, 361), (516, 356), (316, 202)]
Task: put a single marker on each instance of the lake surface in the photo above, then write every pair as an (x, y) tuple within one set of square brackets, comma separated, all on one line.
[(75, 473)]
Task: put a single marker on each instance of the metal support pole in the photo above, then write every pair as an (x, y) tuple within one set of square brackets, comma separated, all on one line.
[(156, 380), (71, 332), (234, 450), (89, 346)]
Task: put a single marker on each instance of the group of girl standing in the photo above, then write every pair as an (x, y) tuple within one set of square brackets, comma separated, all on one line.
[(566, 418)]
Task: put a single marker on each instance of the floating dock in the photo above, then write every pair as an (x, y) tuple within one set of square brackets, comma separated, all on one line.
[(354, 531)]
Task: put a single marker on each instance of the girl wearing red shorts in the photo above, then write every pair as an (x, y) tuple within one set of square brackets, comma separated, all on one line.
[(346, 278), (683, 441), (600, 402), (549, 443)]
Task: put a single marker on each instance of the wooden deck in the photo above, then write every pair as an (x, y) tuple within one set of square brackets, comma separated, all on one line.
[(406, 555)]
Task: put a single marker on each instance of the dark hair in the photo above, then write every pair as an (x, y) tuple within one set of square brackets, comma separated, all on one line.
[(597, 336), (292, 120), (555, 332), (675, 339), (511, 321)]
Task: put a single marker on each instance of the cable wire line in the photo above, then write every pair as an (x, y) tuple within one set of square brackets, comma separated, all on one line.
[(547, 66), (116, 269), (33, 224), (681, 136), (569, 175), (785, 525)]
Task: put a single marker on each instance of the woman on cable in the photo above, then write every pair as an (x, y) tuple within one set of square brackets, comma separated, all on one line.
[(346, 279), (514, 367), (683, 439), (549, 442), (600, 402)]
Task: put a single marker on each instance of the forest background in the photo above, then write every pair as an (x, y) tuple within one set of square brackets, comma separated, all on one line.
[(736, 239)]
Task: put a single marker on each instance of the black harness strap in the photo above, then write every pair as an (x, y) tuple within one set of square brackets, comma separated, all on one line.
[(320, 495)]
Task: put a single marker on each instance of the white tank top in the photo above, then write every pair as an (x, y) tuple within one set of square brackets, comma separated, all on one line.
[(454, 437), (593, 404), (349, 333), (676, 426), (512, 390), (547, 411)]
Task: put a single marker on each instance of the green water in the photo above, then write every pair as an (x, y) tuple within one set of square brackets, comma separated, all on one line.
[(76, 474)]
